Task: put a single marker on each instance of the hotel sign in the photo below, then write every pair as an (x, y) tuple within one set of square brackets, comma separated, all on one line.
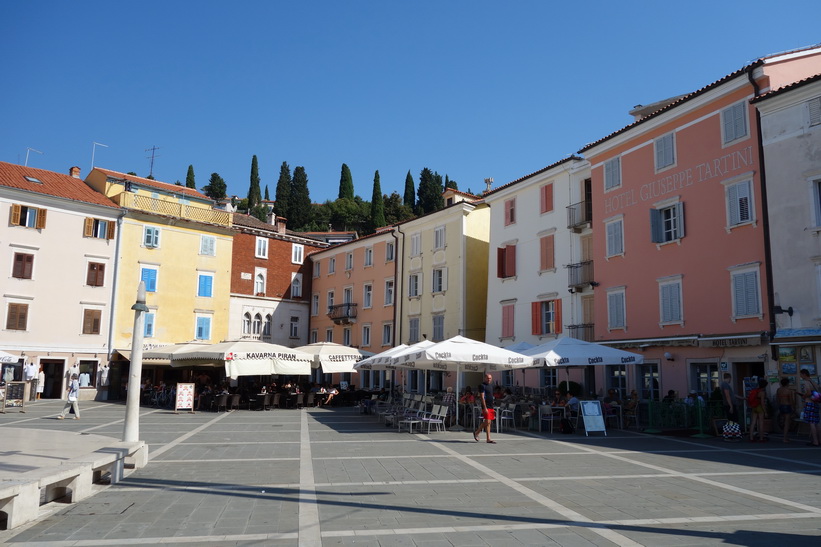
[(730, 342)]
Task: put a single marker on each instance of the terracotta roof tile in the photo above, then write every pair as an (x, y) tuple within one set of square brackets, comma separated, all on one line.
[(159, 185), (542, 170), (51, 184)]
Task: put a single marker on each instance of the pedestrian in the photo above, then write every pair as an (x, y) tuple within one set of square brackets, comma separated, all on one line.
[(485, 395), (809, 391), (41, 382), (71, 399), (785, 396), (757, 401), (449, 401), (728, 398), (30, 376)]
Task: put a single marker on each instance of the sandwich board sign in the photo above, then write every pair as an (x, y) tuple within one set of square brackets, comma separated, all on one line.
[(593, 417)]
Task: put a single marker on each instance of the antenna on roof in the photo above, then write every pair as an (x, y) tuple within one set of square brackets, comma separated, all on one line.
[(94, 146), (488, 183), (153, 151), (27, 155)]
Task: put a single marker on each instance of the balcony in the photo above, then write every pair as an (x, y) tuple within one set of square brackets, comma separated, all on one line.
[(581, 332), (580, 274), (579, 215), (342, 314), (173, 209)]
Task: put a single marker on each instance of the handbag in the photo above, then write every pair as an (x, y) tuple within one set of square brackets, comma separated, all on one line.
[(731, 431)]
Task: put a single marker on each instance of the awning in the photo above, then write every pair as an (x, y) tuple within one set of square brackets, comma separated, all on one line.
[(126, 356)]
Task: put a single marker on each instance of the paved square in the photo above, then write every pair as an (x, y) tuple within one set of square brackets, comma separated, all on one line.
[(336, 477)]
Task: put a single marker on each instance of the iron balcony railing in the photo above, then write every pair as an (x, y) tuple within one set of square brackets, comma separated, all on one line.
[(581, 332), (580, 273), (579, 215), (342, 312)]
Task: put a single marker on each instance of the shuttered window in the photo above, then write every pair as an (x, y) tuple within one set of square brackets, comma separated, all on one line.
[(506, 261), (815, 110), (615, 237), (510, 212), (91, 321), (23, 265), (665, 151), (547, 252), (149, 275), (546, 317), (670, 302), (507, 320), (30, 217), (205, 285), (612, 174), (148, 327), (17, 317), (739, 203), (667, 223), (95, 276), (203, 331), (546, 198), (616, 318), (746, 300), (734, 122)]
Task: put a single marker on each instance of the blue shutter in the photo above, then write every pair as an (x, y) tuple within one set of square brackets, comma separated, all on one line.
[(150, 277), (205, 285), (656, 228), (148, 329), (203, 328)]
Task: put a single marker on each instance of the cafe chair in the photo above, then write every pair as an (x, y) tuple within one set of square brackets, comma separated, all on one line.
[(221, 401), (234, 402), (275, 401), (266, 401), (506, 416), (311, 399)]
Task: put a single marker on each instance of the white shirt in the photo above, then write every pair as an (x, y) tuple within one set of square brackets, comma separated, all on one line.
[(31, 371)]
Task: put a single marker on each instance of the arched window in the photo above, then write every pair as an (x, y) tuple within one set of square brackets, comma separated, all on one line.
[(257, 326), (259, 284), (246, 323), (266, 328)]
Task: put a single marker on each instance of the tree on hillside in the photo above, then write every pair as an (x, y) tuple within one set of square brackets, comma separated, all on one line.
[(410, 192), (254, 194), (450, 183), (299, 208), (266, 193), (216, 187), (189, 178), (429, 193), (395, 210), (283, 191), (346, 183), (377, 205), (349, 215)]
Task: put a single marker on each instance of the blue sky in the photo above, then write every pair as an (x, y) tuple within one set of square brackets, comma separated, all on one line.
[(471, 89)]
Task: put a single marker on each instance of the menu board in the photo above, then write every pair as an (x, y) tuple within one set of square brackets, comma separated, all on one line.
[(185, 398), (14, 396), (593, 417)]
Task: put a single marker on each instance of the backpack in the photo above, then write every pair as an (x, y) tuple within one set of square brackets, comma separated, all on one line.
[(566, 427), (752, 398)]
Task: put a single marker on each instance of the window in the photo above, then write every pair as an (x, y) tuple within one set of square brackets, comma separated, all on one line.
[(546, 198), (347, 295), (616, 378), (739, 203), (546, 317), (329, 335), (510, 212), (616, 318), (746, 298), (389, 292), (704, 377), (151, 237), (506, 261), (665, 151), (507, 321), (366, 335), (268, 325), (261, 249), (256, 324), (294, 330), (612, 174), (670, 301), (101, 229), (413, 330), (416, 244), (297, 253), (814, 106), (390, 252), (317, 268), (549, 377), (17, 317), (330, 300), (259, 284), (415, 284), (367, 295), (346, 336), (439, 238), (208, 245), (667, 223), (438, 328), (95, 275), (314, 337), (23, 265), (387, 334), (148, 326), (149, 275), (88, 373), (734, 123), (369, 256), (91, 321), (314, 305), (547, 254), (30, 217), (203, 331), (246, 323), (349, 261), (332, 265), (205, 285), (296, 285), (615, 237), (440, 280)]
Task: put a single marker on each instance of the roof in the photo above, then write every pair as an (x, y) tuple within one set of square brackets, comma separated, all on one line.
[(466, 194), (786, 88), (540, 171), (159, 185), (51, 184), (248, 221)]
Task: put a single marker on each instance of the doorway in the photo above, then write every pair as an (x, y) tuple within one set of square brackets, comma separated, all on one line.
[(55, 384)]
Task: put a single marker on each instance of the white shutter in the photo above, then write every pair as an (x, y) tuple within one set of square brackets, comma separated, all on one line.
[(815, 111)]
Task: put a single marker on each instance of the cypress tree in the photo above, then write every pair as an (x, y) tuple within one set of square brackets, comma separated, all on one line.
[(216, 187), (426, 193), (283, 191), (254, 195), (300, 200), (266, 193), (189, 178), (409, 198), (345, 183), (377, 204), (450, 183)]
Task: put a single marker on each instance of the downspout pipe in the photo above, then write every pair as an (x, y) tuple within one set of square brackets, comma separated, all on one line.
[(397, 294), (114, 284), (765, 214)]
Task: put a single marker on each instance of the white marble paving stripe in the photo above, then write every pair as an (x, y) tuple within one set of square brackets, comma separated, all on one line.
[(115, 422), (224, 460), (309, 525), (553, 505), (152, 455)]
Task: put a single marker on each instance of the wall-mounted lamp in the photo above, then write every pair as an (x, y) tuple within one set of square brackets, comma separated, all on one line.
[(668, 356), (571, 291), (594, 284), (778, 310)]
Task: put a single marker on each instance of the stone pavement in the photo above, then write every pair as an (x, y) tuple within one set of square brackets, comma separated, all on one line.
[(336, 477)]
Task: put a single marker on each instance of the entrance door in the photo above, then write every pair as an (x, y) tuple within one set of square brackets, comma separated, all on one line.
[(55, 383)]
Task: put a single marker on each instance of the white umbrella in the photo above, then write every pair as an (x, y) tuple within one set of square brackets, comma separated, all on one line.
[(519, 347), (169, 351), (8, 357), (334, 357), (380, 361), (572, 352), (249, 358)]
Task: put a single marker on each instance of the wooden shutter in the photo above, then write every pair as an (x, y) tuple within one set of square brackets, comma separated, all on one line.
[(88, 227), (15, 214), (110, 231), (91, 321), (536, 317), (557, 316), (656, 226), (507, 321), (500, 262), (18, 316), (815, 110), (547, 252), (41, 219), (96, 274), (510, 211), (510, 261), (23, 265), (546, 198)]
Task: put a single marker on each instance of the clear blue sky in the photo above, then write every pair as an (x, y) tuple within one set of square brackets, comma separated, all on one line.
[(471, 89)]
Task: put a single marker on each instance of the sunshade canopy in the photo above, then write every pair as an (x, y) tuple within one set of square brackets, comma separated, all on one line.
[(249, 358), (333, 357), (572, 352)]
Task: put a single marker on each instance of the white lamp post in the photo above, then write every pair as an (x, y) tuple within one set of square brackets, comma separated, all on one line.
[(131, 429)]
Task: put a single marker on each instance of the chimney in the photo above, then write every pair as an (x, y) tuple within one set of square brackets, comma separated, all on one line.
[(280, 225), (74, 172)]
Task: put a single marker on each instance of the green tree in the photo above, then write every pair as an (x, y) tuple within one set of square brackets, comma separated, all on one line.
[(189, 178), (350, 215), (266, 193), (254, 195), (216, 187), (377, 204), (283, 191), (429, 193), (346, 183), (259, 212), (410, 192), (395, 210), (450, 183), (299, 210)]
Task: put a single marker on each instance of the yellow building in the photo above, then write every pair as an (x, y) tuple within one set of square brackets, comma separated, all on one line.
[(173, 239)]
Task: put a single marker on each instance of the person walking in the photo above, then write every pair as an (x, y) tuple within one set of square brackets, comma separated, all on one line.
[(758, 408), (811, 397), (41, 383), (728, 397), (785, 396), (485, 395), (71, 399)]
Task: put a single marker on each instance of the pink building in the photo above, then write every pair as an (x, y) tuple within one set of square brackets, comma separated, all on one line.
[(680, 236)]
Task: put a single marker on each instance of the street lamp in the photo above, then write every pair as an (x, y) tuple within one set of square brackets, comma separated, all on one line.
[(131, 429)]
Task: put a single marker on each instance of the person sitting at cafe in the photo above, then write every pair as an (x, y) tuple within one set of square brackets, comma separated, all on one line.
[(449, 401), (633, 401), (497, 394), (467, 396), (507, 397), (332, 392), (612, 397), (557, 399), (572, 402), (670, 397)]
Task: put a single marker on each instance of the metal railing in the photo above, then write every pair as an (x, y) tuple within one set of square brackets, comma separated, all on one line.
[(342, 312), (173, 209), (580, 273), (581, 332), (579, 214)]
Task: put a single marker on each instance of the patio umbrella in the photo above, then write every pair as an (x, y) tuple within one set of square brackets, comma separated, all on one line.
[(8, 357), (519, 347), (248, 358), (380, 361), (167, 352), (334, 357)]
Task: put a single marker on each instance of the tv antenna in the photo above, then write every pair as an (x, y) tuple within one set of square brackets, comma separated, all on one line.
[(27, 155), (94, 146), (153, 151)]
